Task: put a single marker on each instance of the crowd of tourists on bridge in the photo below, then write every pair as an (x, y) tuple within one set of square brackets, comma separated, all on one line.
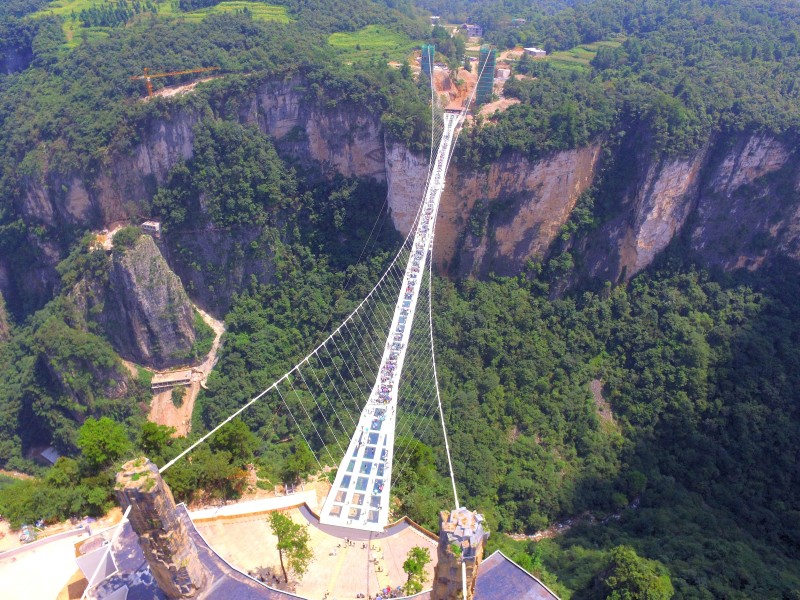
[(388, 370)]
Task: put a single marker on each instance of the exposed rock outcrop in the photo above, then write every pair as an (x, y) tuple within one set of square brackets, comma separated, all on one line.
[(496, 220), (346, 138), (737, 197), (122, 187), (493, 219), (749, 207), (660, 196), (149, 316), (406, 175)]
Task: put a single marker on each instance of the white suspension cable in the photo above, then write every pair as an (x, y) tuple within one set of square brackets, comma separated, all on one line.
[(291, 414), (436, 385)]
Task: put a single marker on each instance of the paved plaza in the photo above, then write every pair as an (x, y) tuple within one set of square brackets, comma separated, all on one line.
[(368, 563)]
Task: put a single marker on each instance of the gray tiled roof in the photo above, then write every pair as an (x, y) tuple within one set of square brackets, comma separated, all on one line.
[(500, 578)]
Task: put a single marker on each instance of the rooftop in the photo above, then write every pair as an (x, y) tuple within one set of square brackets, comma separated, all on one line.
[(500, 578), (171, 377)]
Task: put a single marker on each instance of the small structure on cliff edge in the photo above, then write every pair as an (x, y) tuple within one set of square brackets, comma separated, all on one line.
[(152, 228), (167, 381), (461, 541), (170, 552)]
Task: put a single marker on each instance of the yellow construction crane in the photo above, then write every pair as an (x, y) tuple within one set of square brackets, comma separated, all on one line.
[(148, 76)]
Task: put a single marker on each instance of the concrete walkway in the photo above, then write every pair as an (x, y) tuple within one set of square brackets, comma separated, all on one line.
[(239, 509), (41, 573)]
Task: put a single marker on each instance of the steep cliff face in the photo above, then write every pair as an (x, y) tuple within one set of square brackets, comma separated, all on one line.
[(654, 207), (513, 212), (344, 139), (737, 200), (123, 185), (493, 220), (149, 316), (406, 175), (749, 207)]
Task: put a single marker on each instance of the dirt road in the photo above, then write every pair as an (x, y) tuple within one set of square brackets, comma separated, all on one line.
[(162, 409)]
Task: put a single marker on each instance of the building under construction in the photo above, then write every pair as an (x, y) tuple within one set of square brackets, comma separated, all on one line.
[(428, 55), (486, 65)]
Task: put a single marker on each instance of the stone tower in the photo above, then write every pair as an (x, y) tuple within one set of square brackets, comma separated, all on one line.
[(461, 540), (169, 550)]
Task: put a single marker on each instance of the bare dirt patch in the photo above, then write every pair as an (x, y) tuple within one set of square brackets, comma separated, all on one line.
[(163, 411), (132, 368), (603, 407), (492, 108), (457, 93), (176, 90), (510, 55)]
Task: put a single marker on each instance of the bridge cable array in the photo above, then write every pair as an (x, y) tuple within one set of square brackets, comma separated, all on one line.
[(323, 394)]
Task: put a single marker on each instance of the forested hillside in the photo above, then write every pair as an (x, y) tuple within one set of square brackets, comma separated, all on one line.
[(656, 417)]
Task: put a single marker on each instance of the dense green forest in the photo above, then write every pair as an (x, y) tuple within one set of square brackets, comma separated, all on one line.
[(683, 72), (659, 416)]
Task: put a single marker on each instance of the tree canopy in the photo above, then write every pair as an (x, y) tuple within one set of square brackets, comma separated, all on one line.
[(293, 544)]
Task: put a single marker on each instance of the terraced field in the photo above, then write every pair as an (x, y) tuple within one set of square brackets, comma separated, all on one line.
[(579, 57), (373, 40), (75, 32)]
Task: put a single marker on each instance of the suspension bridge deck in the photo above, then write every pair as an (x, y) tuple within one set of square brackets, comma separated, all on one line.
[(360, 495)]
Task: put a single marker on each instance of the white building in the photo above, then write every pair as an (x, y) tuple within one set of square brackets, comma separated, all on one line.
[(472, 30), (152, 227), (535, 52)]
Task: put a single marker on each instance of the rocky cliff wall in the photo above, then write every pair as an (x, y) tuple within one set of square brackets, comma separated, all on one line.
[(406, 176), (737, 200), (122, 187), (344, 139), (493, 219), (650, 210), (734, 201), (749, 206), (497, 219), (148, 314)]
